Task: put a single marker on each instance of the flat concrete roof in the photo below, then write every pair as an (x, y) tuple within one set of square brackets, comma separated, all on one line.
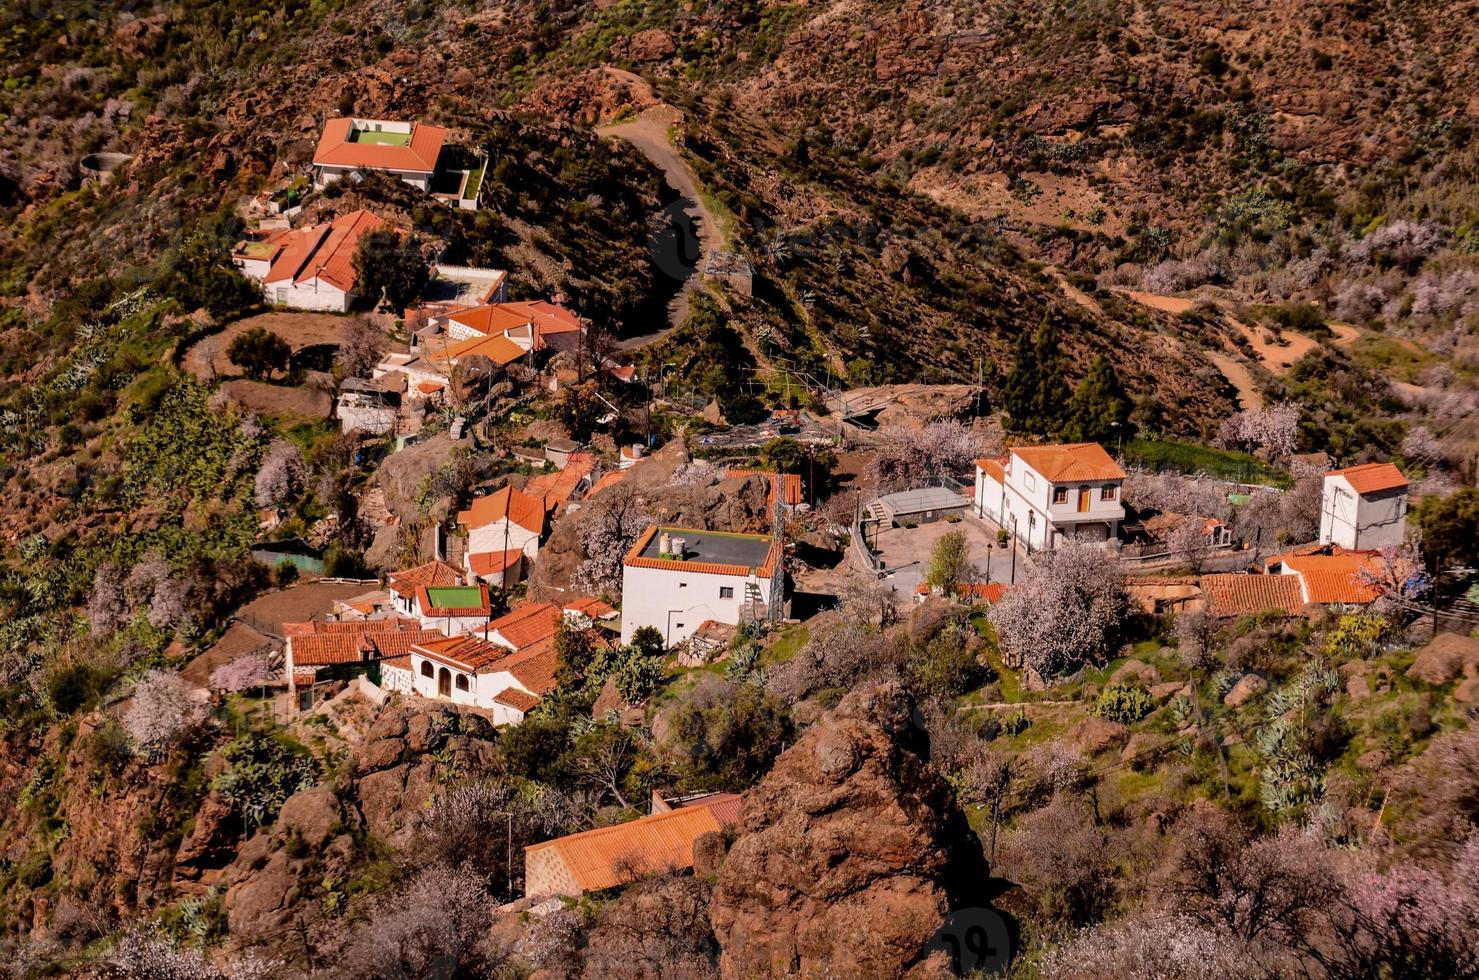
[(923, 500), (720, 547)]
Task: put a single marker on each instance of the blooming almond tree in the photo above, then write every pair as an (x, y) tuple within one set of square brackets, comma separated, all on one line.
[(162, 711), (610, 533), (1274, 431), (1065, 614), (282, 475)]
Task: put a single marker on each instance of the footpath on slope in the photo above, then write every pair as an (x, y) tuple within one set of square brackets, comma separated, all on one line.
[(695, 224)]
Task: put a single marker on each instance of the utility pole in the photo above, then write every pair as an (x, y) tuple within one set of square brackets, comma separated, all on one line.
[(778, 548)]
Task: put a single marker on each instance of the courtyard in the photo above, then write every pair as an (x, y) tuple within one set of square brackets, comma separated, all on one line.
[(905, 552)]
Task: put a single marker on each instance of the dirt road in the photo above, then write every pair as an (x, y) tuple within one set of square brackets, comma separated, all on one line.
[(680, 251)]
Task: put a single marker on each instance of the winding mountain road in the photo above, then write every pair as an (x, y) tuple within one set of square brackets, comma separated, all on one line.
[(683, 245)]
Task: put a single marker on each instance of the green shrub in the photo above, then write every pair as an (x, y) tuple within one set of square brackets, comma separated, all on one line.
[(1123, 704), (261, 773)]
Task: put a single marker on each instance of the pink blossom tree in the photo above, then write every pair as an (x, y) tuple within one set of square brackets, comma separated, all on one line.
[(1065, 614), (162, 711), (1272, 431), (242, 673), (282, 476), (910, 459), (610, 532)]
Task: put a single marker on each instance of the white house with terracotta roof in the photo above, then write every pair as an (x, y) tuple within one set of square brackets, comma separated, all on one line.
[(675, 579), (318, 653), (1045, 495), (503, 532), (473, 671), (1364, 507), (406, 150), (308, 268)]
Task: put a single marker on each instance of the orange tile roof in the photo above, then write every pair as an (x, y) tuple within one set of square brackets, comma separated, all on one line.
[(791, 480), (987, 592), (516, 699), (1335, 579), (994, 469), (547, 318), (1074, 461), (324, 649), (527, 625), (1372, 477), (557, 487), (490, 319), (498, 349), (634, 558), (610, 479), (493, 562), (589, 606), (526, 511), (317, 626), (418, 155), (471, 652), (607, 856), (1245, 595), (536, 668), (324, 251), (434, 574)]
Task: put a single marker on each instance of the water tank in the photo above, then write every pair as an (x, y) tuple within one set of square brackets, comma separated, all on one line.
[(664, 544), (678, 545)]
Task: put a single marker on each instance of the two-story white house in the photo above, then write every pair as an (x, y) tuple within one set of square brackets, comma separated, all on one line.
[(675, 579), (503, 534), (1045, 495), (1363, 508)]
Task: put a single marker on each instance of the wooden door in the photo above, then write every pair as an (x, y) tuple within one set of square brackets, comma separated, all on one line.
[(1083, 499)]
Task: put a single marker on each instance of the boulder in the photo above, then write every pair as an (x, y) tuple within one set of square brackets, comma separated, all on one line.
[(1134, 672), (311, 814), (851, 852), (1468, 691), (1137, 744), (1093, 735), (652, 44), (1357, 688), (1374, 759), (708, 854), (1247, 686), (1445, 659)]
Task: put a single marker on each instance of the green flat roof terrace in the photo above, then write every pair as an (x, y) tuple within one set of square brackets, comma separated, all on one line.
[(257, 250), (720, 547), (455, 597), (370, 137)]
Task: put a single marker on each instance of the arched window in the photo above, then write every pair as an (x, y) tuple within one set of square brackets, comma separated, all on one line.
[(461, 682), (426, 668)]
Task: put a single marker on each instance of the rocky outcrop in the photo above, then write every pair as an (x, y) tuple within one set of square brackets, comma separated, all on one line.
[(387, 782), (851, 852)]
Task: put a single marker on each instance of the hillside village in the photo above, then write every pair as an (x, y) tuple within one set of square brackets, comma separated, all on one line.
[(392, 591)]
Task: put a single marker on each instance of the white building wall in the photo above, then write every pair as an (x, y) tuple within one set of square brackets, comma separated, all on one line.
[(1024, 506), (491, 538), (395, 679), (452, 625), (482, 688), (678, 602), (326, 175), (308, 295), (1361, 523)]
